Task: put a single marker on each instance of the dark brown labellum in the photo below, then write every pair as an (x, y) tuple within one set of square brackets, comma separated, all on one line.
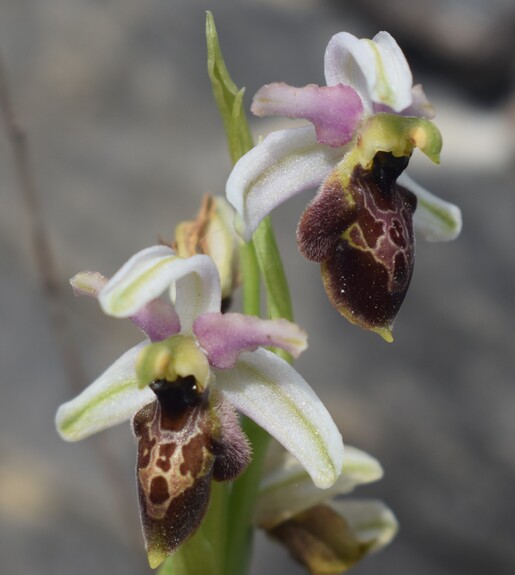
[(363, 236), (182, 442)]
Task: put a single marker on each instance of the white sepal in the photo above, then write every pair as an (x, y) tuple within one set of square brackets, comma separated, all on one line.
[(394, 80), (268, 390), (377, 69), (112, 398), (370, 520), (198, 291), (436, 219), (288, 490), (147, 274)]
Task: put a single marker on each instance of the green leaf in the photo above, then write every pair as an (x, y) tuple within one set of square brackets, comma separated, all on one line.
[(230, 105), (228, 97)]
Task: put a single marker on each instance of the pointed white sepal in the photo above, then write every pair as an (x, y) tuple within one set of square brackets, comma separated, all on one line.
[(284, 164), (147, 274), (377, 69), (436, 219), (268, 390), (288, 490), (112, 398)]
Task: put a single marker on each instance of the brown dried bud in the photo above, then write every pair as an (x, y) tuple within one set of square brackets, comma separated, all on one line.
[(212, 233), (321, 540)]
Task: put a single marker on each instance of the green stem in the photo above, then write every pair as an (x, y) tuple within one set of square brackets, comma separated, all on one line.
[(259, 257), (270, 264), (215, 523), (251, 280), (245, 488), (272, 270), (242, 502)]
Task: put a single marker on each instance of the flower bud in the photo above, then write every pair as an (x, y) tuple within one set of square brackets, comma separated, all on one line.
[(329, 539), (212, 233)]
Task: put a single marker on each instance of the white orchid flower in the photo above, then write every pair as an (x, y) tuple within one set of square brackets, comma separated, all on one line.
[(365, 125), (181, 386)]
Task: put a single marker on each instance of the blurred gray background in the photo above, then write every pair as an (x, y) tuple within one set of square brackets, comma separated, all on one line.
[(125, 140)]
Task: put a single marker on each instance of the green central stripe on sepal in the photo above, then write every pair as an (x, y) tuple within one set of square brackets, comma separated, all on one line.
[(123, 297), (77, 418), (306, 424), (443, 215), (382, 83), (356, 473)]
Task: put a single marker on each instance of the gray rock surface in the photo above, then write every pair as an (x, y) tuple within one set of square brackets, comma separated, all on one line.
[(125, 140)]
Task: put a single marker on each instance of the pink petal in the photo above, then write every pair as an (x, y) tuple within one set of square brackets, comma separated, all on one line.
[(224, 337), (335, 111), (158, 319)]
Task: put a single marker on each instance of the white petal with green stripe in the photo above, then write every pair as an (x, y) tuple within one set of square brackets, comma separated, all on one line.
[(288, 490), (370, 520), (436, 219), (268, 390), (147, 274), (112, 398)]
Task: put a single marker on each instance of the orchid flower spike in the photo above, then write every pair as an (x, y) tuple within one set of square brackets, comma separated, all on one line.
[(325, 534), (181, 387), (364, 127)]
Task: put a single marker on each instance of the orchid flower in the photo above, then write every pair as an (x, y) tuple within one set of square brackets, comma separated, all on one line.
[(365, 125), (325, 534), (181, 387)]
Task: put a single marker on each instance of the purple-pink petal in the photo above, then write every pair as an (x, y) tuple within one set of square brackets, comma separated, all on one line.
[(335, 111), (158, 319), (224, 336)]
